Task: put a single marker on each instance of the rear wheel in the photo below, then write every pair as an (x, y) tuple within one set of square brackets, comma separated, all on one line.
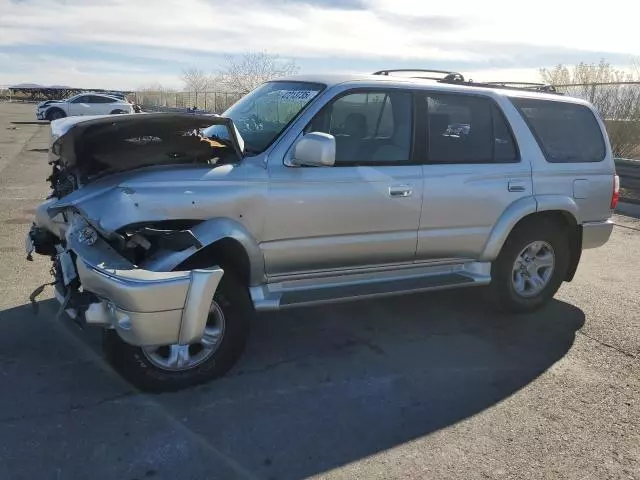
[(173, 367), (531, 266)]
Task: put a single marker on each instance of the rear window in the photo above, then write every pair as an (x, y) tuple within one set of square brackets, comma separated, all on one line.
[(566, 132)]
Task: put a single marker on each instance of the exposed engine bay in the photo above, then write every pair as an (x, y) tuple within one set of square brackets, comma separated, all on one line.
[(98, 150), (84, 150)]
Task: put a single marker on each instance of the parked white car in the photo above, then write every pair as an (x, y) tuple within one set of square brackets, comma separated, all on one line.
[(82, 104)]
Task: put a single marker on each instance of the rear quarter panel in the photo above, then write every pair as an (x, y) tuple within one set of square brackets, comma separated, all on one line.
[(583, 188)]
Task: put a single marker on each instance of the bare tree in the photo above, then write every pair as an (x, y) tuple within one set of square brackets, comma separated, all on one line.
[(635, 67), (197, 81), (244, 73), (615, 93), (587, 73)]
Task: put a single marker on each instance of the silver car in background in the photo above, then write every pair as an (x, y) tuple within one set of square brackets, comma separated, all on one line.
[(170, 230)]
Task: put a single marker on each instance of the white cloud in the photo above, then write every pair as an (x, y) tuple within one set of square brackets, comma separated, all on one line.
[(297, 29), (391, 31), (54, 70)]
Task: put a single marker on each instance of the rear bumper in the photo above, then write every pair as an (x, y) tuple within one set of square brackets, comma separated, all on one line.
[(596, 234)]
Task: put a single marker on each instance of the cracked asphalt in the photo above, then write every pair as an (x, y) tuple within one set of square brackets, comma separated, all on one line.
[(424, 386)]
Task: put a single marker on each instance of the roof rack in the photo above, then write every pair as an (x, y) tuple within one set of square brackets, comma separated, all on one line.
[(540, 87), (450, 77), (458, 79)]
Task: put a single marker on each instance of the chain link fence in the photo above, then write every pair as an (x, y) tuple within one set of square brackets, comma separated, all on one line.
[(619, 106), (213, 102)]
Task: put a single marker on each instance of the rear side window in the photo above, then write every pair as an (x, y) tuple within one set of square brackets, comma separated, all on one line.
[(566, 132), (468, 129), (99, 99)]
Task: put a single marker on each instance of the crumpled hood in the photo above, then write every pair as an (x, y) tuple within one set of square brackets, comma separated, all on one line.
[(122, 142), (47, 103), (129, 197)]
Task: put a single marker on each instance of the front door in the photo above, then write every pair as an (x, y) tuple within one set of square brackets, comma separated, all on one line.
[(473, 171), (80, 106), (363, 211)]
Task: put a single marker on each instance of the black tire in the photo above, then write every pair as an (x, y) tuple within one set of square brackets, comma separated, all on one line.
[(55, 114), (133, 364), (504, 293), (117, 112)]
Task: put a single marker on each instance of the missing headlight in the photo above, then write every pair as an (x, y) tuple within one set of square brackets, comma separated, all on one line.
[(174, 240)]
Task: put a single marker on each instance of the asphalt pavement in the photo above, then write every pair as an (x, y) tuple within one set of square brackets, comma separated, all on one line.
[(431, 386)]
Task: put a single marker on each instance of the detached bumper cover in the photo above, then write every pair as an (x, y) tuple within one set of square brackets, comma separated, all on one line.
[(146, 308), (596, 234), (150, 308)]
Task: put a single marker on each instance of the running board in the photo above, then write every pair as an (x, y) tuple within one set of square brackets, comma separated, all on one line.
[(279, 296)]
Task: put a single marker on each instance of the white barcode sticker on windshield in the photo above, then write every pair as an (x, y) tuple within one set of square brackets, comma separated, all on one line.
[(297, 94)]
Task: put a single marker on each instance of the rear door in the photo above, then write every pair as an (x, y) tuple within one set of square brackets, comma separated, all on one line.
[(472, 172), (99, 105)]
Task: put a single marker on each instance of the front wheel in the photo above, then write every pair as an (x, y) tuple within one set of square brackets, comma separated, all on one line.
[(55, 114), (174, 367), (531, 266)]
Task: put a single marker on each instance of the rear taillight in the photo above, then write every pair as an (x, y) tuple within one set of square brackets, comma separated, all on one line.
[(615, 196)]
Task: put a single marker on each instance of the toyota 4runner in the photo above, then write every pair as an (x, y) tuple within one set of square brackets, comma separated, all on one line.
[(170, 230)]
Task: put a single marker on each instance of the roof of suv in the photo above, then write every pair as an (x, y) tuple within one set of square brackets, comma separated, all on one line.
[(331, 80)]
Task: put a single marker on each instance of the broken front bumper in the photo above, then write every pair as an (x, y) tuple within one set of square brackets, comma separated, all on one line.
[(150, 308), (146, 308)]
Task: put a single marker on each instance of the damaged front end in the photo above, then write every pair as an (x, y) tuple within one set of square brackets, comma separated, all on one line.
[(84, 149), (98, 286), (108, 269)]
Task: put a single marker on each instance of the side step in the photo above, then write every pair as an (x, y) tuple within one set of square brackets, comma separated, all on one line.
[(387, 287), (356, 286)]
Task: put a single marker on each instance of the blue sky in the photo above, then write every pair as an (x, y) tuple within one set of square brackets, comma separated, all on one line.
[(130, 43)]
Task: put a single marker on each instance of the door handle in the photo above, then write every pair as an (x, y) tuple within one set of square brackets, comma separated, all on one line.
[(400, 191), (516, 186)]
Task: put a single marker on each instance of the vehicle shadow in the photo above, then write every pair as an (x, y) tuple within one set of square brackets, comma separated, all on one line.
[(319, 388)]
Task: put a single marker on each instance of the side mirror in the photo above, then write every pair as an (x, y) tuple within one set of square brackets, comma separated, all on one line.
[(315, 149)]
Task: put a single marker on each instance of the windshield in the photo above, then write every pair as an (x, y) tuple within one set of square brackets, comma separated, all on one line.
[(264, 113)]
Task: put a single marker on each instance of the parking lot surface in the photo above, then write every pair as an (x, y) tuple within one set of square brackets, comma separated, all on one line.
[(424, 386)]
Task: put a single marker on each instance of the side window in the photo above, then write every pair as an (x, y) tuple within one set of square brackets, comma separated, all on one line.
[(81, 99), (97, 99), (566, 132), (370, 128), (504, 146), (467, 129)]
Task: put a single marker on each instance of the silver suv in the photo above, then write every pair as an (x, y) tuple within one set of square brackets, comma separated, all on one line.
[(170, 230)]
